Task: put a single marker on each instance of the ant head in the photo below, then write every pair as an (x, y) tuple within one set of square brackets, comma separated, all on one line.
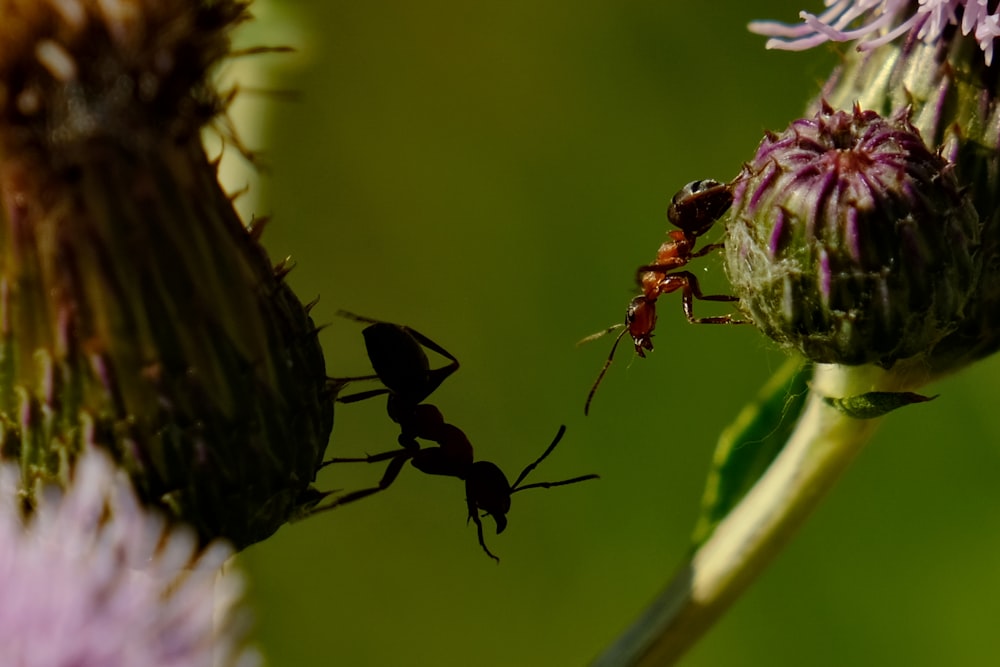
[(487, 489), (640, 320), (698, 205)]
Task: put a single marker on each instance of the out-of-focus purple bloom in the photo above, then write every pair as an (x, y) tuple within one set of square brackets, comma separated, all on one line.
[(93, 579), (876, 22)]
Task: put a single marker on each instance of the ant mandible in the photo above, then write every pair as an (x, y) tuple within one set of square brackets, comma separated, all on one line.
[(401, 364), (693, 210)]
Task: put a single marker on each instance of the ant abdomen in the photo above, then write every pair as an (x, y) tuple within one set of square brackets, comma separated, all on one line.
[(699, 205), (396, 358)]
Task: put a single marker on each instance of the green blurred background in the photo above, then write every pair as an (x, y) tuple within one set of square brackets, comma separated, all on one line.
[(492, 174)]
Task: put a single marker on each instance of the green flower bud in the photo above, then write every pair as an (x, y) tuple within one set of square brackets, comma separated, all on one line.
[(137, 313), (851, 241)]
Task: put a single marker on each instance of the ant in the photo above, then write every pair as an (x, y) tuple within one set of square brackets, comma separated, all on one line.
[(401, 364), (693, 210)]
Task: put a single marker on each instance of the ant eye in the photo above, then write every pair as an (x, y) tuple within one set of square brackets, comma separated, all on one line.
[(633, 307), (697, 187)]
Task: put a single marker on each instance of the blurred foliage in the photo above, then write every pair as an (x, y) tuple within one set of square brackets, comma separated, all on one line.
[(492, 174)]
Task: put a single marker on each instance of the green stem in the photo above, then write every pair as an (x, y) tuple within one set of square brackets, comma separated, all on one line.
[(823, 444)]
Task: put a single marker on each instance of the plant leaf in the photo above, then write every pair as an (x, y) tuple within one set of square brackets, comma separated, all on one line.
[(748, 446), (875, 403)]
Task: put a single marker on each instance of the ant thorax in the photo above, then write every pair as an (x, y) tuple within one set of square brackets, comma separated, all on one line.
[(672, 254)]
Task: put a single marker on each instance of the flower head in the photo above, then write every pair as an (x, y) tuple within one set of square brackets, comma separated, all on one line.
[(92, 579), (851, 241), (876, 22), (137, 312)]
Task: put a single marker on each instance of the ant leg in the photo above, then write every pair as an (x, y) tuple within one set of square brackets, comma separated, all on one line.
[(701, 252), (391, 473), (692, 290), (360, 396), (695, 289), (428, 343), (356, 378), (474, 515), (438, 375), (371, 458)]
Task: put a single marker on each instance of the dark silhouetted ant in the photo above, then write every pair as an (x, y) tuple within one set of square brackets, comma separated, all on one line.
[(402, 366), (693, 210)]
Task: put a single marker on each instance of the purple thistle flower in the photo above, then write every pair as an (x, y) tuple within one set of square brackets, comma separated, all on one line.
[(940, 73), (873, 23), (93, 579), (851, 241)]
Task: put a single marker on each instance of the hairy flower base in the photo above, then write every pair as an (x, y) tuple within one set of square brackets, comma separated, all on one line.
[(851, 241), (94, 580)]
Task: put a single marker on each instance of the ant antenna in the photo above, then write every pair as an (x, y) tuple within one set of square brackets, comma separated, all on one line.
[(545, 485), (357, 318), (600, 334), (607, 364)]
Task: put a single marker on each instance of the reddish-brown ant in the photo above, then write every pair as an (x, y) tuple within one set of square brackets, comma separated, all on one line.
[(693, 210), (401, 364)]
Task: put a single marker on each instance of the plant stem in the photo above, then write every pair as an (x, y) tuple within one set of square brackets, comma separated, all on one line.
[(823, 444)]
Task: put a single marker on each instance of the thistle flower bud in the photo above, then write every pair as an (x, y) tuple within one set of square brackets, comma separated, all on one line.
[(137, 313), (936, 58), (851, 241)]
